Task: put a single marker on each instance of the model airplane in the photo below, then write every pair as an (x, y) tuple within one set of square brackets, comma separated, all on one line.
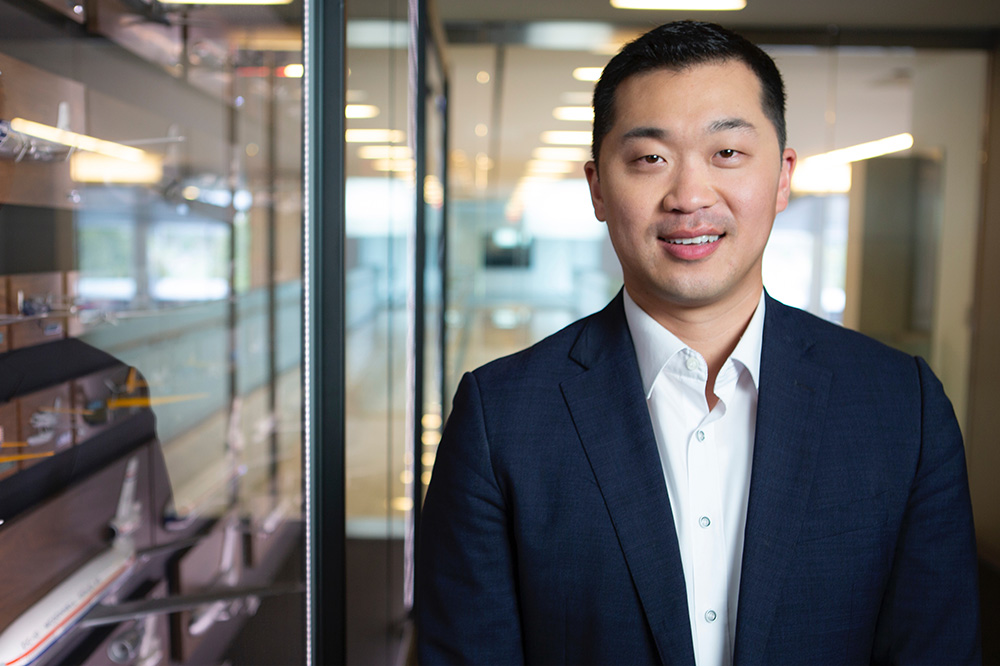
[(35, 630)]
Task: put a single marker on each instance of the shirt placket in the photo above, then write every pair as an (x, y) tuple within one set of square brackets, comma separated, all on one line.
[(708, 542)]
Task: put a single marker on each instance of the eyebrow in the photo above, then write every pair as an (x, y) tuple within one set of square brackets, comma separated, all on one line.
[(724, 125), (732, 124)]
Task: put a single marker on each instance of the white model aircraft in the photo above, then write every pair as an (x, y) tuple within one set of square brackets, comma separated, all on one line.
[(60, 610)]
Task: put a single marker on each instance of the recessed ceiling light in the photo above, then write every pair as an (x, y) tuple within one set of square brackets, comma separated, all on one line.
[(361, 111), (225, 2), (374, 136), (685, 5), (561, 153), (483, 77), (587, 73), (567, 137), (551, 166), (582, 113), (383, 152)]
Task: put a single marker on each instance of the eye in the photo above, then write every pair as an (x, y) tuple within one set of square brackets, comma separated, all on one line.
[(651, 159), (727, 153)]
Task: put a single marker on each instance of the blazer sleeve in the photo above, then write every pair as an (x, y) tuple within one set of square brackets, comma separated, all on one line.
[(466, 605), (930, 612)]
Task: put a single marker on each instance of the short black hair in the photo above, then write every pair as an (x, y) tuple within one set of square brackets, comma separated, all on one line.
[(677, 46)]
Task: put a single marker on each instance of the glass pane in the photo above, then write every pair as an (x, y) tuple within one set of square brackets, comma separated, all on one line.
[(150, 282), (380, 237)]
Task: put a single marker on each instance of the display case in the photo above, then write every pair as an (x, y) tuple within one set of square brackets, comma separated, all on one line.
[(150, 325)]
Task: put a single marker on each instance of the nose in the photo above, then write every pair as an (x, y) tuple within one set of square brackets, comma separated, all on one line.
[(689, 189)]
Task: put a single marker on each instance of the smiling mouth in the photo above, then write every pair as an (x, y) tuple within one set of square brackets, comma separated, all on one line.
[(697, 240)]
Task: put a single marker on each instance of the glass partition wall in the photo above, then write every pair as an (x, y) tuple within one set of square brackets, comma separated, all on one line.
[(150, 314), (862, 243)]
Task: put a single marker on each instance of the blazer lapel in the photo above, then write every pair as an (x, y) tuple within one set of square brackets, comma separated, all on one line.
[(612, 420), (791, 409)]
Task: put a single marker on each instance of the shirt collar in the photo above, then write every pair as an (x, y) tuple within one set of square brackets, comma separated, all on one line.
[(654, 344)]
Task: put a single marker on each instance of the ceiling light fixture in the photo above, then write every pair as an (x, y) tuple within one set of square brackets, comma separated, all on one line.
[(361, 111), (587, 73), (551, 167), (78, 141), (581, 113), (561, 153), (96, 168), (225, 2), (831, 172), (684, 5), (567, 137), (864, 151), (374, 136), (383, 152)]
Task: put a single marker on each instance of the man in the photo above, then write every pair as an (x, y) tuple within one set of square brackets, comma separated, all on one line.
[(697, 473)]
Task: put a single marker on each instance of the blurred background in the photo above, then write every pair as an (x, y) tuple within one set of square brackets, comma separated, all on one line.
[(303, 221)]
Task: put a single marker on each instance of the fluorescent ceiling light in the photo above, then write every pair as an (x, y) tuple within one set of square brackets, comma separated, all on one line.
[(821, 178), (96, 168), (831, 172), (551, 166), (361, 111), (864, 151), (587, 73), (78, 141), (567, 35), (374, 136), (226, 2), (583, 113), (405, 166), (561, 153), (385, 152), (685, 5), (567, 137)]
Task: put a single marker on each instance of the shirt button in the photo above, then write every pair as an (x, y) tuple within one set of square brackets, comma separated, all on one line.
[(691, 363), (700, 435), (704, 521), (710, 615)]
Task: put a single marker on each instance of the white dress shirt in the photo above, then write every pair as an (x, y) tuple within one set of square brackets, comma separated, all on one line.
[(706, 457)]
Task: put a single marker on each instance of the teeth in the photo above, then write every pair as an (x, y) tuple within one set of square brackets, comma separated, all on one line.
[(697, 240)]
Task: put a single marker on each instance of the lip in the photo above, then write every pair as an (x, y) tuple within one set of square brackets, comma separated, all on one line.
[(691, 246)]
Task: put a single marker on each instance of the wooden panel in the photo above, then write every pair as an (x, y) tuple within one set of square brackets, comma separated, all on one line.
[(202, 568), (46, 423), (8, 432), (34, 94), (44, 546), (36, 331)]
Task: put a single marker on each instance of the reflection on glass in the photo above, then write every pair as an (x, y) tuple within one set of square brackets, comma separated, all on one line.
[(150, 213)]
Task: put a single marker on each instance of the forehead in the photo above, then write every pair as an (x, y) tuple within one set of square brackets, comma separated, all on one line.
[(706, 92)]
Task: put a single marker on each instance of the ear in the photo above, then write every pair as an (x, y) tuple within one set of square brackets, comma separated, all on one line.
[(788, 160), (596, 198)]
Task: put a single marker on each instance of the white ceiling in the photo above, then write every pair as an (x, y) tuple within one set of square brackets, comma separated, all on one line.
[(758, 13), (834, 100)]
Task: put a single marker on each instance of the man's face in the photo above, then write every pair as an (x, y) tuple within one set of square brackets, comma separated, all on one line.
[(690, 179)]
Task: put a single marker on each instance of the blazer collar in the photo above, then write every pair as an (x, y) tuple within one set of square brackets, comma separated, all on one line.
[(791, 411), (609, 410)]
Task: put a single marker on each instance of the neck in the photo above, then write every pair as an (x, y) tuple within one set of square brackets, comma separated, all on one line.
[(711, 330)]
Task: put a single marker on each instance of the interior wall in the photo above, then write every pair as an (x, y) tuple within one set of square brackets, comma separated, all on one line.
[(982, 442), (941, 125)]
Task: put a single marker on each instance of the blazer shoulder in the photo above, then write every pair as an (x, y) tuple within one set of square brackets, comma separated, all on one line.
[(550, 357), (825, 339), (545, 358)]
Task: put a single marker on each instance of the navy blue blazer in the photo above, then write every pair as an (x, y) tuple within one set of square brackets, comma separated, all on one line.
[(547, 535)]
